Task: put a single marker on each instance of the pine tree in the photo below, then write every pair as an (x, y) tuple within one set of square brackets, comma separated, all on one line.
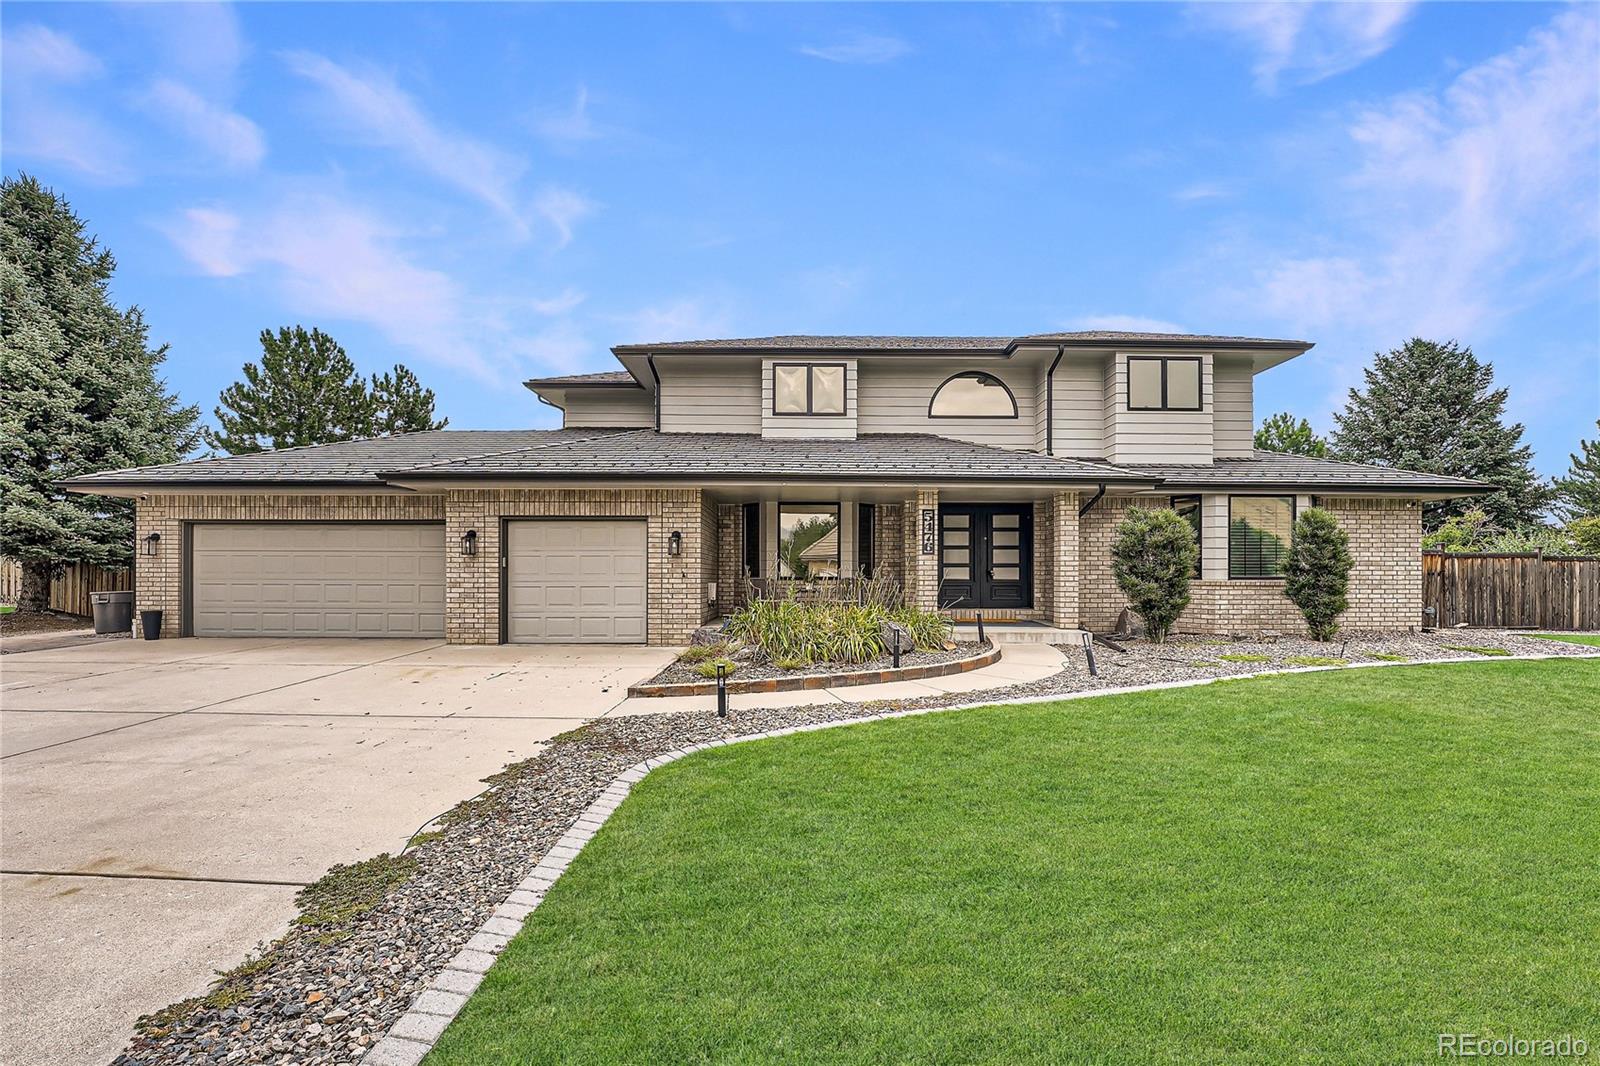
[(1283, 432), (1432, 407), (1316, 574), (79, 392), (399, 404), (304, 391), (1579, 492), (1153, 558)]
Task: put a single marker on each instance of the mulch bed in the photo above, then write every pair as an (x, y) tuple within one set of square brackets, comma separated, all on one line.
[(324, 994), (681, 673), (16, 623)]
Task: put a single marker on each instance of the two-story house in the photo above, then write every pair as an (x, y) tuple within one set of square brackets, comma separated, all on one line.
[(983, 473)]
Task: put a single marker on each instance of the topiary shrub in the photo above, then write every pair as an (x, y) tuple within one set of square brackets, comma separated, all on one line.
[(1153, 558), (1317, 571)]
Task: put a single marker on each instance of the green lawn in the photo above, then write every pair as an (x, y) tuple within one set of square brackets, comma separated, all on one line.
[(1327, 867), (1571, 638)]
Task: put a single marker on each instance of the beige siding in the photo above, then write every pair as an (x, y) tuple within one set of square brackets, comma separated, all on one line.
[(710, 395), (1156, 436), (810, 426), (1233, 420), (604, 408), (1080, 405), (895, 395)]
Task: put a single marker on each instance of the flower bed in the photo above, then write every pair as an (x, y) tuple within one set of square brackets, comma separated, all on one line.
[(682, 679)]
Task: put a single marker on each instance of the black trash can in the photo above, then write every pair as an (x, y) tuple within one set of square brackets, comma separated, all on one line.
[(151, 621), (113, 611)]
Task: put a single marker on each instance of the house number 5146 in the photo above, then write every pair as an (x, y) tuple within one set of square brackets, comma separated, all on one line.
[(930, 533)]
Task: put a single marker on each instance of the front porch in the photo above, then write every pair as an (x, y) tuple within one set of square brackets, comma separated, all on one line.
[(1010, 555)]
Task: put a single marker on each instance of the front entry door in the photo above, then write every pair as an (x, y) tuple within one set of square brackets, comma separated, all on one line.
[(986, 555)]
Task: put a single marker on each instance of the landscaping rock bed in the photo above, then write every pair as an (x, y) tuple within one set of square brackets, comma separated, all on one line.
[(754, 675), (340, 977)]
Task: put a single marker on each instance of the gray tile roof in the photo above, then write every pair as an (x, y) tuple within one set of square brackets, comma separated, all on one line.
[(647, 455), (604, 378), (1274, 470), (350, 462), (813, 343)]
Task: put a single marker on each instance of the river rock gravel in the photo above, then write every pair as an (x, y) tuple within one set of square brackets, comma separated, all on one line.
[(314, 999)]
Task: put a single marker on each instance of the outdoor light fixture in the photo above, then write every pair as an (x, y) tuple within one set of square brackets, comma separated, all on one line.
[(469, 542), (675, 543), (152, 544)]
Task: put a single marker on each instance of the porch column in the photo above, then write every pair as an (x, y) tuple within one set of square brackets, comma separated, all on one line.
[(1063, 560), (921, 570)]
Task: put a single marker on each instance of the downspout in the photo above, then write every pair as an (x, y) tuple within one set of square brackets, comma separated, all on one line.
[(650, 360), (1050, 402), (1089, 505)]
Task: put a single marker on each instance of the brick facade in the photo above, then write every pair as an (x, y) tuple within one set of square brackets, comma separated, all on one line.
[(1073, 585)]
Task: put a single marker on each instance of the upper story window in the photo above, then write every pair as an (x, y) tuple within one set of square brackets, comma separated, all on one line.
[(972, 395), (1259, 531), (808, 388), (1157, 383)]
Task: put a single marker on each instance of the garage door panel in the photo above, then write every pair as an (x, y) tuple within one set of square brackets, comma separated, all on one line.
[(318, 579), (580, 581)]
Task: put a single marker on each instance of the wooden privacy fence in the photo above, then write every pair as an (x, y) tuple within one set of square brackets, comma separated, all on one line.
[(69, 590), (1514, 591)]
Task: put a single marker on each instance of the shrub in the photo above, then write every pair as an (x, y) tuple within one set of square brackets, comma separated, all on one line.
[(1585, 535), (1317, 571), (791, 631), (1475, 533), (1152, 559), (708, 669), (697, 652)]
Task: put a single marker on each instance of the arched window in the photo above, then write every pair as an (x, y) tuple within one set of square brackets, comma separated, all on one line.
[(972, 394)]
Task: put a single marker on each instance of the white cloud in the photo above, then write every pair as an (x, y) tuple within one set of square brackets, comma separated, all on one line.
[(375, 109), (1306, 42), (37, 52), (1126, 324), (859, 48), (1456, 199), (562, 209), (689, 318), (566, 300), (225, 135), (334, 259), (1202, 190), (197, 43), (568, 126)]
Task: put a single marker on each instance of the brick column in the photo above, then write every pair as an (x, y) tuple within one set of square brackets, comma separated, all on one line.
[(1063, 605), (921, 571)]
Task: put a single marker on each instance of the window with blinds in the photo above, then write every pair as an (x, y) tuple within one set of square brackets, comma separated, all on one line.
[(1259, 529)]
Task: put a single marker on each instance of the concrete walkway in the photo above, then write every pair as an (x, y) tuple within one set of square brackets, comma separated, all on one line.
[(164, 800), (1019, 664)]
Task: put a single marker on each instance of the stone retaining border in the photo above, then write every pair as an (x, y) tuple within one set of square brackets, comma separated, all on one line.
[(416, 1032), (806, 682)]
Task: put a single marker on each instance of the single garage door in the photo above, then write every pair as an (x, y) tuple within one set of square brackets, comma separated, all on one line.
[(317, 579), (575, 582)]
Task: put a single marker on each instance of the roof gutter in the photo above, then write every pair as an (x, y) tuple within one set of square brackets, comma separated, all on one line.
[(656, 376)]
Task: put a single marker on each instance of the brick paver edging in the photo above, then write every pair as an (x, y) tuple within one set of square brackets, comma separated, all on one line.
[(415, 1033), (806, 682)]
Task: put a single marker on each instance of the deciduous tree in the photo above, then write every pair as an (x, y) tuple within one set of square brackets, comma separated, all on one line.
[(1283, 432)]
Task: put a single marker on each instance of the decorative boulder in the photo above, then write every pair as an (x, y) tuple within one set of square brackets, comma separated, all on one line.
[(1128, 625), (896, 636), (708, 635)]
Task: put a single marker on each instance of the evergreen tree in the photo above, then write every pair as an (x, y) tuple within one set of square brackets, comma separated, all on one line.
[(1579, 492), (1283, 432), (399, 404), (304, 391), (1316, 574), (1153, 559), (1431, 407), (79, 392)]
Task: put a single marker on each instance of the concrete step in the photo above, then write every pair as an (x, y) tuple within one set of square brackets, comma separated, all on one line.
[(1002, 633)]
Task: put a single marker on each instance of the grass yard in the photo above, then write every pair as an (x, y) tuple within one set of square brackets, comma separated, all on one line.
[(1571, 638), (1322, 867)]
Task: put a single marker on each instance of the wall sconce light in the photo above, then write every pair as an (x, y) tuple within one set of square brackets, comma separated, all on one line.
[(675, 543), (152, 544), (469, 542)]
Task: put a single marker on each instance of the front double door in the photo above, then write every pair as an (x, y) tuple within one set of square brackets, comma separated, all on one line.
[(986, 556)]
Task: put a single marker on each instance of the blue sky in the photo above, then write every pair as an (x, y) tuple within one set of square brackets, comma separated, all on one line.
[(487, 192)]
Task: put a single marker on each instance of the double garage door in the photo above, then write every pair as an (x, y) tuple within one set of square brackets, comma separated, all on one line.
[(317, 579), (580, 581)]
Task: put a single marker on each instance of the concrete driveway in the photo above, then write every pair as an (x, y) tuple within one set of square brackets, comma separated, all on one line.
[(163, 801)]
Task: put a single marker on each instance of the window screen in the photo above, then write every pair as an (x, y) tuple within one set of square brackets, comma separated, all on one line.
[(1259, 528), (1144, 384), (1156, 383)]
